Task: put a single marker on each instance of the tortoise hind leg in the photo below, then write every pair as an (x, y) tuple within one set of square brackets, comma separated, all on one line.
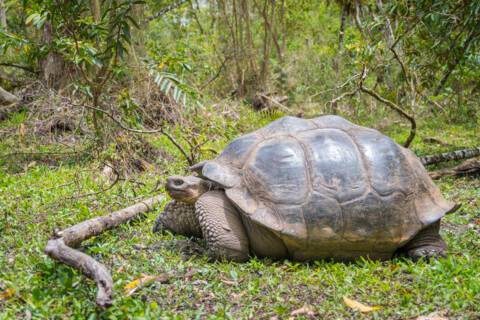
[(426, 244), (222, 226)]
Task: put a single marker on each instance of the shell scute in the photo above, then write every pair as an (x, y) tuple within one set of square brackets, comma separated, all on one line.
[(335, 164), (286, 125), (386, 165), (276, 171)]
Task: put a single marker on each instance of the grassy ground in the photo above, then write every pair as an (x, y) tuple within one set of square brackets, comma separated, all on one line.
[(41, 197)]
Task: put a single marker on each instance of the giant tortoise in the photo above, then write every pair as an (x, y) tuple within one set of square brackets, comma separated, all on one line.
[(305, 189)]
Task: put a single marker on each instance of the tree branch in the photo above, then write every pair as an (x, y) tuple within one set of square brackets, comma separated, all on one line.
[(165, 10), (14, 65), (392, 105), (160, 130)]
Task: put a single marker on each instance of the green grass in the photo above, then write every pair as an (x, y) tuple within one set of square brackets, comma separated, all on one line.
[(36, 200)]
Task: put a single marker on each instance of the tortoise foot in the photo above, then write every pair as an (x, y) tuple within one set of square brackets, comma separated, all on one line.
[(426, 252)]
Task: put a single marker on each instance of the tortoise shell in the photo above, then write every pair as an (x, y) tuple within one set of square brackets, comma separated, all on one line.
[(325, 186)]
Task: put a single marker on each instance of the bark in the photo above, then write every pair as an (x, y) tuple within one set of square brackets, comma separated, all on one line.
[(341, 32), (448, 156), (468, 167), (52, 66), (337, 61), (61, 247), (95, 8), (390, 38), (266, 44), (7, 98), (3, 15)]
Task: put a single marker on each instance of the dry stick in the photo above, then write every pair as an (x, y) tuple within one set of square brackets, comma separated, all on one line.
[(61, 246), (471, 166), (392, 105), (121, 125), (275, 102), (342, 96)]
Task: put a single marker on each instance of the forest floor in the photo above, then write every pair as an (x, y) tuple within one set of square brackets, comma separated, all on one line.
[(41, 196)]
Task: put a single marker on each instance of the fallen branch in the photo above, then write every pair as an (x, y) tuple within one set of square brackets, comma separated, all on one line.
[(61, 246), (7, 98), (471, 166), (448, 156)]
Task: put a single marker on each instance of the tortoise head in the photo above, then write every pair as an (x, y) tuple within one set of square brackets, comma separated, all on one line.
[(187, 189)]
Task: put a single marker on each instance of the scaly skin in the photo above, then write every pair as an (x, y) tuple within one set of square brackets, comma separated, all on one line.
[(180, 218)]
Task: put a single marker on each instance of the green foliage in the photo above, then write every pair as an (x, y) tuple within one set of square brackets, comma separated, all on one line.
[(171, 85)]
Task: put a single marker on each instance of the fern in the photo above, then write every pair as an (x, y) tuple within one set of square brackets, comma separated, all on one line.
[(182, 93)]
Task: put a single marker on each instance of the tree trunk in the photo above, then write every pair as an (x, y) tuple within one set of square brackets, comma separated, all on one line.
[(52, 67), (3, 15), (337, 61), (266, 45), (96, 10)]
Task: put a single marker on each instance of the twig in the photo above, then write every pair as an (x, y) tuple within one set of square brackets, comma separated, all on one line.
[(392, 105), (342, 96), (60, 247), (160, 130), (165, 10), (216, 75), (97, 192), (337, 87), (275, 102), (45, 153)]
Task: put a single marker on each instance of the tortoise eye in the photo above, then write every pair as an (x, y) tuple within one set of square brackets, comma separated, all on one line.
[(177, 182)]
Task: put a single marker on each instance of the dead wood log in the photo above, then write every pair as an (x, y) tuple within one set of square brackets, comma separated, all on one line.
[(6, 98), (471, 166), (61, 247), (454, 155)]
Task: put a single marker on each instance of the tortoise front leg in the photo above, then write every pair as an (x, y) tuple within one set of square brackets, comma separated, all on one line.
[(222, 226), (426, 244), (179, 218)]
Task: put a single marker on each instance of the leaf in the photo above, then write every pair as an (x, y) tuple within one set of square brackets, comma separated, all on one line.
[(305, 310), (21, 131), (131, 287), (355, 305), (229, 282), (7, 294), (432, 316)]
